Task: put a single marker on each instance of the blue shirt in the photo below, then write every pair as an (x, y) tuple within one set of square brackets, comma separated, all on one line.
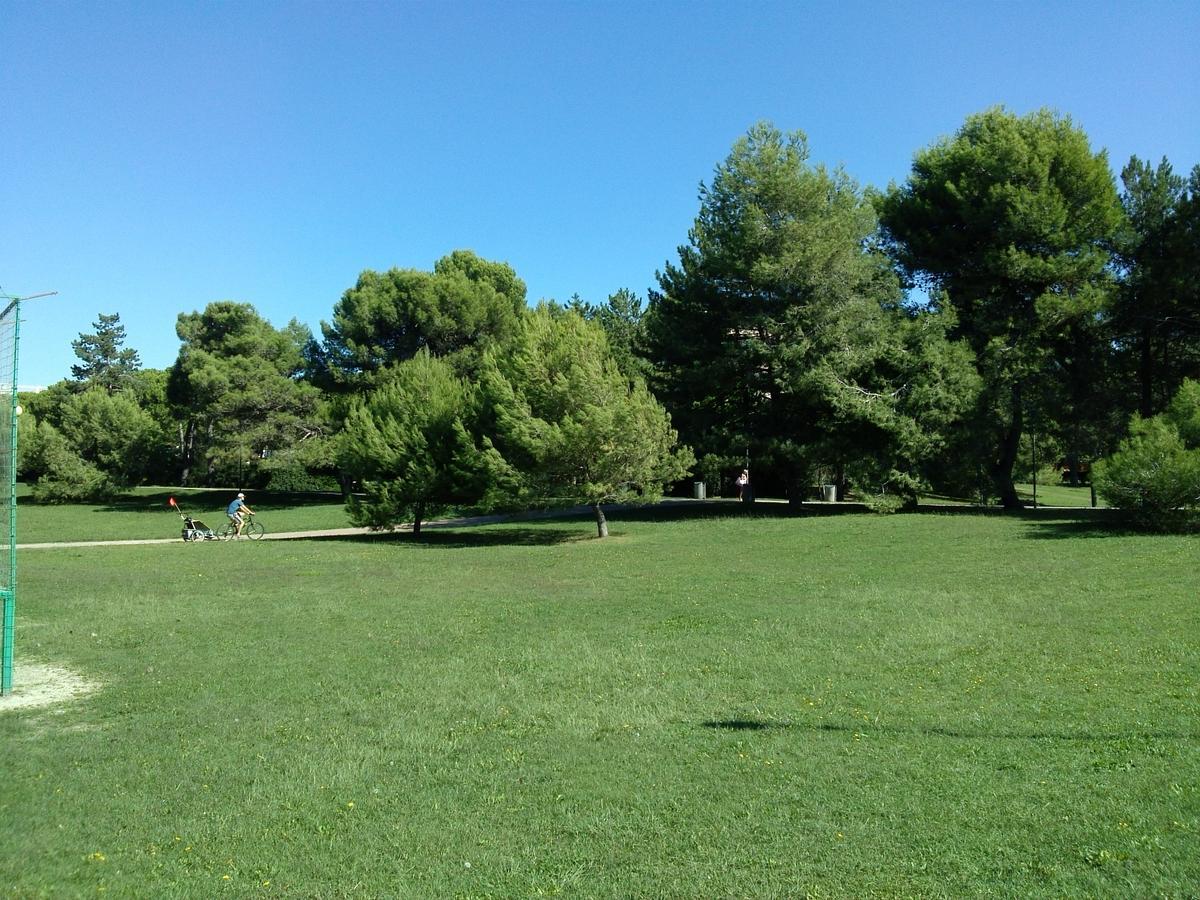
[(235, 506)]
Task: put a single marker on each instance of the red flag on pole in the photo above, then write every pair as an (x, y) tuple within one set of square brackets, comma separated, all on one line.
[(172, 501)]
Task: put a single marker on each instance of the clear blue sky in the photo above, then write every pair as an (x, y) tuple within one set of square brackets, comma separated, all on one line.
[(155, 157)]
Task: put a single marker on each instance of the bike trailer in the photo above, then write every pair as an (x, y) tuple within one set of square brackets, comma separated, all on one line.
[(195, 530)]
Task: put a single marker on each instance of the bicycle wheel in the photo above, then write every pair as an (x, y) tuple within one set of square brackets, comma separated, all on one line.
[(254, 531), (227, 532)]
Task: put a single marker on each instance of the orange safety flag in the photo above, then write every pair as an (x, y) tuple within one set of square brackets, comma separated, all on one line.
[(172, 501)]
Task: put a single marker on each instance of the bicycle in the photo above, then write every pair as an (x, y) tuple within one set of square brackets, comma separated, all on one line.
[(250, 529)]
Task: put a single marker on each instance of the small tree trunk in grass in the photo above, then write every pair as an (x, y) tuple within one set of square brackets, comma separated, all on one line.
[(601, 522), (418, 514), (1010, 444), (187, 443), (209, 468), (795, 491)]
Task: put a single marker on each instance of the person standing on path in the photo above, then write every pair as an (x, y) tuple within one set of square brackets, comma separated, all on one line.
[(743, 485)]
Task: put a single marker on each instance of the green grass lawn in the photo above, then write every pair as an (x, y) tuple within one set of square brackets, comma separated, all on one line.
[(1058, 494), (145, 513), (841, 706)]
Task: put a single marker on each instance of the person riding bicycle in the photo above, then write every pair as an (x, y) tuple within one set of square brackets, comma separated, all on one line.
[(237, 512)]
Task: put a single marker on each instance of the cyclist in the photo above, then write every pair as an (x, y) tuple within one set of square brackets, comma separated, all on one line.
[(237, 512)]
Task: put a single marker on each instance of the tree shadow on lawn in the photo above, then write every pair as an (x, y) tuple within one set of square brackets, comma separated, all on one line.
[(744, 725), (1050, 523), (939, 731), (203, 500), (434, 538), (683, 511), (1072, 529)]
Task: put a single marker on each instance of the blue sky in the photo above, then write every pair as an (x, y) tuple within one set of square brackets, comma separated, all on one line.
[(157, 156)]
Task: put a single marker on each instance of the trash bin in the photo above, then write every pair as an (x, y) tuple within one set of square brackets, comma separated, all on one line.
[(828, 492), (699, 491)]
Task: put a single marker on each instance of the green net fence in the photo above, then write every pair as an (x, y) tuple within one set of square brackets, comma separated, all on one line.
[(9, 337)]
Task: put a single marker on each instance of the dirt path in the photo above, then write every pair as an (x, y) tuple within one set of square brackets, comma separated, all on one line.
[(39, 684)]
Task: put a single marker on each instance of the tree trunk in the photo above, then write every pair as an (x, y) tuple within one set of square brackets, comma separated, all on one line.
[(601, 522), (209, 472), (418, 514), (797, 484), (839, 479), (1146, 375), (1010, 444), (187, 443)]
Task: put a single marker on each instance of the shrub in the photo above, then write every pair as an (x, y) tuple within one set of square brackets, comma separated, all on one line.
[(62, 476), (1184, 413), (1153, 477), (297, 479)]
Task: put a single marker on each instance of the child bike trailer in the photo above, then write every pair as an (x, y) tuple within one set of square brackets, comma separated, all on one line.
[(193, 529)]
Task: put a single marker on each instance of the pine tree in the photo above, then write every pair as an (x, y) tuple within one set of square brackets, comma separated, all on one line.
[(104, 362)]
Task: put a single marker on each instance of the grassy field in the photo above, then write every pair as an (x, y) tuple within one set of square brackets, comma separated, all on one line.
[(838, 706), (1055, 493), (145, 513)]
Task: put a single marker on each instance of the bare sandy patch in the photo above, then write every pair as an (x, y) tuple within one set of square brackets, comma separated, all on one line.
[(38, 684)]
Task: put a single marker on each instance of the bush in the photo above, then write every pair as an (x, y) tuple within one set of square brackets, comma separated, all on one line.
[(1184, 413), (72, 480), (62, 476), (298, 480), (1153, 477)]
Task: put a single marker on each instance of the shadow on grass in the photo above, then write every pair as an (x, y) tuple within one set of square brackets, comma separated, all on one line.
[(208, 499), (1071, 529), (678, 511), (744, 725), (446, 539), (939, 731)]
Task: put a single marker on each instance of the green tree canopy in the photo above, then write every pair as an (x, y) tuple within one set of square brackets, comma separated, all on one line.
[(236, 387), (780, 333), (1156, 316), (57, 472), (409, 443), (622, 316), (103, 360), (574, 427), (113, 433), (103, 442), (1013, 219), (464, 305)]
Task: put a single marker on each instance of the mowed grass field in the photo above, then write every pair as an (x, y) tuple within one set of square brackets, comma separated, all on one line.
[(838, 706)]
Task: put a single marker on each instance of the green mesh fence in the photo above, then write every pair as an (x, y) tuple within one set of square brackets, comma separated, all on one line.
[(9, 338)]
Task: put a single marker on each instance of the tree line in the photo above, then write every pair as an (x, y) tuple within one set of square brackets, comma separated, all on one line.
[(1009, 296)]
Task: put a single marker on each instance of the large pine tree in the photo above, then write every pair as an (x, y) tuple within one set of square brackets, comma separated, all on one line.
[(1013, 219), (780, 334)]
